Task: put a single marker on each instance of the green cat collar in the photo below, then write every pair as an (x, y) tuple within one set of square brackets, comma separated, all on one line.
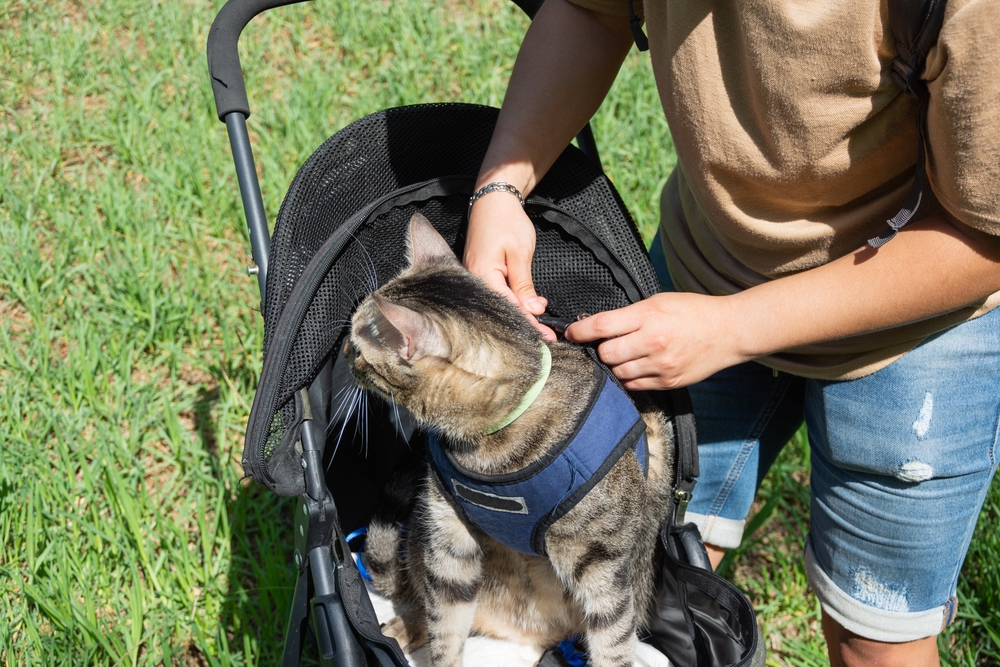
[(531, 394)]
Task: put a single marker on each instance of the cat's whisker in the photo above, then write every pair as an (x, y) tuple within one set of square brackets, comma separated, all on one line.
[(350, 401), (366, 268), (353, 298), (370, 282), (365, 412), (352, 387), (397, 422), (357, 413), (371, 262)]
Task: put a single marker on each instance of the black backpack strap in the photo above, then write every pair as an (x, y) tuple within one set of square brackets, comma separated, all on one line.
[(915, 26), (685, 451), (641, 42)]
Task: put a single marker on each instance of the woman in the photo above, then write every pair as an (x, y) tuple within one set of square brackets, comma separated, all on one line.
[(794, 147)]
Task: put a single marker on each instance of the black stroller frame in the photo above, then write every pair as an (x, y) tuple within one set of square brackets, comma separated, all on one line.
[(317, 597), (330, 599)]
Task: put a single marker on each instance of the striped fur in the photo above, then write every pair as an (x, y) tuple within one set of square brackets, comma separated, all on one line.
[(459, 358)]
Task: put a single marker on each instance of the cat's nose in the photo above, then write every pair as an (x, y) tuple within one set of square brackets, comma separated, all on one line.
[(349, 350)]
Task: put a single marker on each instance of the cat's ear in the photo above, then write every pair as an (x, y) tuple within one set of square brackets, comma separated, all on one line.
[(407, 331), (424, 245)]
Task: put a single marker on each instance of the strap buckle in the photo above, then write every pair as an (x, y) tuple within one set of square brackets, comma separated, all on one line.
[(906, 77), (683, 497)]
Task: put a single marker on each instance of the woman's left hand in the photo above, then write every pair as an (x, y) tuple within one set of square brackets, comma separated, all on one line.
[(667, 341), (934, 266)]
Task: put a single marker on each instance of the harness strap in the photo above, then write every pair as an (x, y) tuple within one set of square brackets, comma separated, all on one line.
[(516, 509)]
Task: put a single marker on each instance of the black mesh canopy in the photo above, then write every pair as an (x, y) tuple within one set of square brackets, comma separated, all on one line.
[(340, 234)]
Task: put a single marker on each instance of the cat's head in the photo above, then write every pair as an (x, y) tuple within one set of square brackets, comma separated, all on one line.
[(439, 342)]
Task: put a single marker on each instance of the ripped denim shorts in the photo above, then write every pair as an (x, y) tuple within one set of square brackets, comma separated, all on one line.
[(902, 461)]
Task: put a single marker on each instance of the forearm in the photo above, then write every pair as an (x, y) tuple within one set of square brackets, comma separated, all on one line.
[(565, 67), (931, 267), (674, 339)]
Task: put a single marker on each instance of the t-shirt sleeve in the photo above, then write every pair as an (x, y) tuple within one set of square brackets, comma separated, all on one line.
[(963, 117), (610, 7)]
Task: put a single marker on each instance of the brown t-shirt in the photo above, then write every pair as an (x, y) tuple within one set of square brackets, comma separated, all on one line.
[(794, 146)]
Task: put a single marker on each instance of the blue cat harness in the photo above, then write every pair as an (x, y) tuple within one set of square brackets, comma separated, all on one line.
[(516, 509)]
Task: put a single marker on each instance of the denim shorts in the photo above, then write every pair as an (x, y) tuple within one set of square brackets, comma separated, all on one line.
[(902, 460)]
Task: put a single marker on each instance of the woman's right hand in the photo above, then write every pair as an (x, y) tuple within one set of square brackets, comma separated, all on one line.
[(499, 247)]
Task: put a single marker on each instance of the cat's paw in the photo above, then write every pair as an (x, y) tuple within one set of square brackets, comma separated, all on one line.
[(410, 636)]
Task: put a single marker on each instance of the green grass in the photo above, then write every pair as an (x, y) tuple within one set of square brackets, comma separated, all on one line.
[(130, 337)]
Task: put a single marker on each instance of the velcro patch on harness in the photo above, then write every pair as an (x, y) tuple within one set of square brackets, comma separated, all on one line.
[(490, 501)]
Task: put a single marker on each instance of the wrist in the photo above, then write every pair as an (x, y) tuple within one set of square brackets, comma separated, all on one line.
[(496, 186), (742, 321), (519, 174), (503, 202)]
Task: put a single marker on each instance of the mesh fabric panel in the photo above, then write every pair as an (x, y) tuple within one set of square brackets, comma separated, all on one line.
[(367, 160), (321, 268)]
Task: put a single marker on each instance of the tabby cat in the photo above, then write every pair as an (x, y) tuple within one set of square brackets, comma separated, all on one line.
[(461, 358)]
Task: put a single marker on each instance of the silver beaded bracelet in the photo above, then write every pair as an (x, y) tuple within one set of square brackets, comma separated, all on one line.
[(495, 186)]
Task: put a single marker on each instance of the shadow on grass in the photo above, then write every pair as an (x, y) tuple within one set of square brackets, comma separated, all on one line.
[(205, 424), (261, 573)]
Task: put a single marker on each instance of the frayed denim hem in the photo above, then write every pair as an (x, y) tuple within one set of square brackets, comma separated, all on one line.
[(717, 531), (871, 622)]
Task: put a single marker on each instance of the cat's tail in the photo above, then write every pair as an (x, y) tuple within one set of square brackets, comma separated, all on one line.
[(383, 556)]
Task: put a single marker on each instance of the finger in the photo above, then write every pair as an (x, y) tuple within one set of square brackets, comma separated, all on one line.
[(608, 324), (622, 350), (535, 305), (519, 279), (496, 281), (650, 383), (547, 333), (631, 370)]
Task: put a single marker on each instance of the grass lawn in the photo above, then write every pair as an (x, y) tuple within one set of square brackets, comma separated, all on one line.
[(130, 339)]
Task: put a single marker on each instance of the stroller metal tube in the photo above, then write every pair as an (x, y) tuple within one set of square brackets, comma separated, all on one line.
[(585, 140), (333, 632), (253, 204), (312, 457), (233, 108)]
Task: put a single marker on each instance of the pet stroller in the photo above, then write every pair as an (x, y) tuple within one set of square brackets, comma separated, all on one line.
[(339, 234)]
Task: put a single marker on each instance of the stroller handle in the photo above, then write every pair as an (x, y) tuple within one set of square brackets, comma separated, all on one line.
[(224, 56)]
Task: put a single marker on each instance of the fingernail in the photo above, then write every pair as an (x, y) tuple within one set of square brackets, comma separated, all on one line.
[(534, 303)]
